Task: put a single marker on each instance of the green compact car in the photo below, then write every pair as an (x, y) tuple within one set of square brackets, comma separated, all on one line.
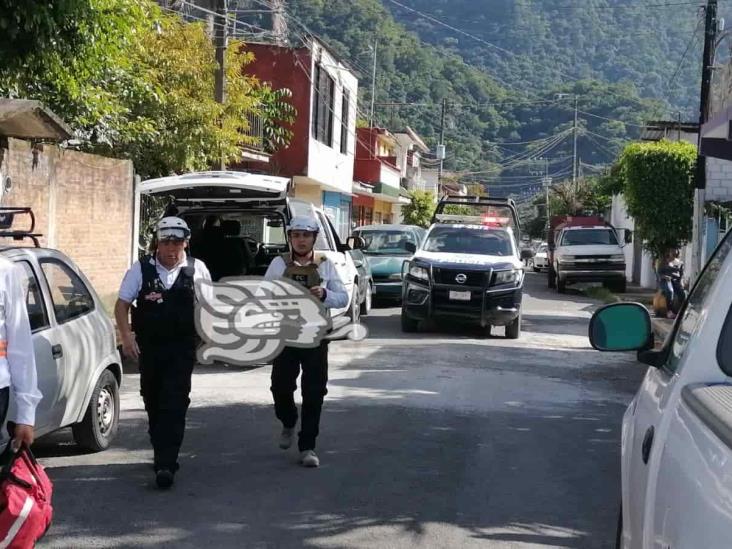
[(386, 250)]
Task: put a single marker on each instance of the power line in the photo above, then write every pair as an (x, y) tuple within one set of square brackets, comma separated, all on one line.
[(686, 52)]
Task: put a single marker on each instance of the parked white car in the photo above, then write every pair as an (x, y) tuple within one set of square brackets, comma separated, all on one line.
[(238, 221), (79, 367), (540, 260), (677, 431)]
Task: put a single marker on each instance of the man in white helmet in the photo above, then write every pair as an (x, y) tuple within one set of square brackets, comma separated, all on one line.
[(321, 278), (164, 337)]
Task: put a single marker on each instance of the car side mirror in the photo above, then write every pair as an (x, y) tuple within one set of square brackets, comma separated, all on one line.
[(628, 236), (621, 327), (411, 247), (358, 263), (356, 242), (527, 253)]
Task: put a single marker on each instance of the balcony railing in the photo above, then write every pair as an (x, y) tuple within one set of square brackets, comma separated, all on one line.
[(255, 132)]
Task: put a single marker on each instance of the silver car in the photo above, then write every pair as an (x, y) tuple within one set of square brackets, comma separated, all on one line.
[(79, 367)]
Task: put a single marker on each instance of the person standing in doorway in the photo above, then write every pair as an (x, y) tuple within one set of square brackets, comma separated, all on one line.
[(164, 337), (322, 279)]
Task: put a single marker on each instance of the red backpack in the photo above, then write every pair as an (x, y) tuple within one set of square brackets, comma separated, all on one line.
[(25, 499)]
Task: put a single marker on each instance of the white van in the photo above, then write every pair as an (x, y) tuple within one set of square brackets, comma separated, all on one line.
[(238, 221)]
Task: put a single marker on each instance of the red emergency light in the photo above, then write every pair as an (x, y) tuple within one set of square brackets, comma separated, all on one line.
[(493, 221)]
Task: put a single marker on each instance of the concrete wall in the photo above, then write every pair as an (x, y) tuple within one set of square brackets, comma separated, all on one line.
[(719, 180), (621, 220), (83, 205)]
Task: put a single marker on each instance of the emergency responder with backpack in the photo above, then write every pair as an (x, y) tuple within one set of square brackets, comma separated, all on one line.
[(321, 278), (164, 337)]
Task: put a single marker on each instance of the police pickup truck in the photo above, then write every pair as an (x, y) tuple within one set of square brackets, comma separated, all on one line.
[(468, 267)]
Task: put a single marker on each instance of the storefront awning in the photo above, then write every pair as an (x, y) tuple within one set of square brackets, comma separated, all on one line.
[(716, 141), (363, 188)]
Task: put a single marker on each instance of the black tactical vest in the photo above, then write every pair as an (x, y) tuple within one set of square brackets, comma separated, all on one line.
[(165, 316), (307, 275)]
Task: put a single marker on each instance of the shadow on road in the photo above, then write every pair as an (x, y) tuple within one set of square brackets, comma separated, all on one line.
[(429, 477)]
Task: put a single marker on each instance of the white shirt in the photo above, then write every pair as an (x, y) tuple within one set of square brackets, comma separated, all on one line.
[(336, 295), (18, 365), (132, 282)]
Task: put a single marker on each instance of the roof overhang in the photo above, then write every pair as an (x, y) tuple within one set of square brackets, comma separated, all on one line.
[(716, 136), (26, 119)]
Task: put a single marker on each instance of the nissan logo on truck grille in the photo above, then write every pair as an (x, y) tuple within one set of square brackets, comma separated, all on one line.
[(461, 278)]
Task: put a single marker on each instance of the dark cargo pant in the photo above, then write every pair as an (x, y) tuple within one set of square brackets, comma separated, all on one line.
[(165, 386), (285, 369)]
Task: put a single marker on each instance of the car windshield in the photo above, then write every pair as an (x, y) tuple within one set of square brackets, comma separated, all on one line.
[(466, 240), (387, 242), (583, 237)]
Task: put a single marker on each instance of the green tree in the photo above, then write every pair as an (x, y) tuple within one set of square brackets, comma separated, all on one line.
[(279, 115), (27, 27), (420, 209), (139, 85), (659, 191)]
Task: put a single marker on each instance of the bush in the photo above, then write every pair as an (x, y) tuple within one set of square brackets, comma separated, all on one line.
[(659, 191), (420, 209)]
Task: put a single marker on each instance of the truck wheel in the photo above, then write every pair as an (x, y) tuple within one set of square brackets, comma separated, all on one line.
[(561, 285), (550, 274), (98, 428), (367, 302), (513, 330), (409, 325)]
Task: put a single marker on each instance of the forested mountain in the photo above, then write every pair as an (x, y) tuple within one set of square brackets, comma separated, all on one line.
[(488, 121), (540, 43)]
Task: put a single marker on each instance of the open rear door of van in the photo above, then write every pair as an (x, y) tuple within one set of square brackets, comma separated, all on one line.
[(217, 187)]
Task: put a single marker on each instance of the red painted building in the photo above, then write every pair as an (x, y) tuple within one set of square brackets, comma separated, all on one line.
[(320, 157)]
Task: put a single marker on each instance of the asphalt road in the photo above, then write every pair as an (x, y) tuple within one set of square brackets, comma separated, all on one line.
[(437, 439)]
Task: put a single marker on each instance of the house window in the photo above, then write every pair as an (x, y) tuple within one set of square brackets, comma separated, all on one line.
[(345, 108), (322, 126)]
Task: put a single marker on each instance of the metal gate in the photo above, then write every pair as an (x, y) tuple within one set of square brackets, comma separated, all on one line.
[(151, 210)]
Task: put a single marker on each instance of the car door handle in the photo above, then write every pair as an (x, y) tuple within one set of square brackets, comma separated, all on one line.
[(57, 351), (647, 444)]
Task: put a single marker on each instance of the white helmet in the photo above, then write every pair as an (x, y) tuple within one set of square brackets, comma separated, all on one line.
[(172, 228), (303, 223)]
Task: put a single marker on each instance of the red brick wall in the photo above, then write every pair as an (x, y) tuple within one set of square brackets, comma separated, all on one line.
[(83, 206)]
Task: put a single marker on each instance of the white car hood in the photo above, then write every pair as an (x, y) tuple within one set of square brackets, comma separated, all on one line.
[(466, 259), (594, 249)]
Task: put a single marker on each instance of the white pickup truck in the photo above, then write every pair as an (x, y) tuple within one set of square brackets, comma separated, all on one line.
[(589, 254), (677, 431)]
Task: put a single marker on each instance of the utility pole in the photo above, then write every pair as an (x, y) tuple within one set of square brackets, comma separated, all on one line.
[(441, 146), (279, 22), (373, 87), (710, 35), (575, 189), (221, 33)]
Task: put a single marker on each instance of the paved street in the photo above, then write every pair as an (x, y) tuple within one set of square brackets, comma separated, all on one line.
[(438, 439)]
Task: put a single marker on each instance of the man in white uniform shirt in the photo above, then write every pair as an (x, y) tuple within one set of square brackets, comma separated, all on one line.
[(17, 357), (321, 278), (164, 338)]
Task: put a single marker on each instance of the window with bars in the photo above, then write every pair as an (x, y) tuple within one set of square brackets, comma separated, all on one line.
[(324, 88), (345, 108)]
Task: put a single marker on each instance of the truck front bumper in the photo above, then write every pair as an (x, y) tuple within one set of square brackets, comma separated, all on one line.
[(583, 274), (487, 307)]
